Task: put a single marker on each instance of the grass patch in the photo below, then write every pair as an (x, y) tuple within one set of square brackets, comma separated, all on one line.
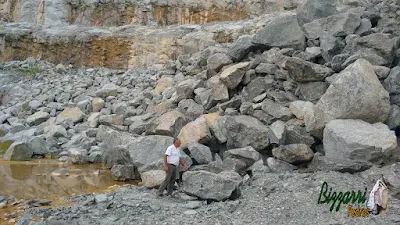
[(30, 71), (4, 145)]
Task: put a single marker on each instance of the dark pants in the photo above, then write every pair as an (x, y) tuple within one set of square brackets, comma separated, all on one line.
[(169, 180)]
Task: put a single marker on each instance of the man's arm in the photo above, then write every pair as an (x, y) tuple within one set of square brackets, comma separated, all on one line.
[(183, 164), (165, 163)]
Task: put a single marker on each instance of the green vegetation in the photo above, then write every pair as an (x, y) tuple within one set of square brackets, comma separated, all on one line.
[(31, 71), (4, 145)]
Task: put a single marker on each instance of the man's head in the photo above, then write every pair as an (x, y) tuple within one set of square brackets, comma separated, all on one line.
[(177, 142)]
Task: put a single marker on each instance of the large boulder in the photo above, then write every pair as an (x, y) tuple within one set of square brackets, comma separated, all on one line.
[(278, 133), (217, 61), (312, 10), (190, 108), (153, 178), (118, 155), (293, 153), (147, 149), (321, 163), (39, 145), (312, 91), (124, 172), (211, 186), (379, 49), (168, 124), (356, 93), (276, 110), (200, 153), (78, 155), (112, 119), (303, 71), (97, 104), (300, 108), (282, 32), (19, 151), (242, 131), (336, 25), (392, 82), (37, 118), (55, 131), (358, 140), (247, 154), (242, 46), (139, 124), (279, 166), (107, 90), (75, 114), (196, 131), (233, 75)]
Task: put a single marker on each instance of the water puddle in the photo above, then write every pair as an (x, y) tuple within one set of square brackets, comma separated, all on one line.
[(49, 179)]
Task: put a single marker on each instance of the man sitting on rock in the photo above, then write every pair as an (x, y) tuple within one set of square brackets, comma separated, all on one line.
[(172, 158)]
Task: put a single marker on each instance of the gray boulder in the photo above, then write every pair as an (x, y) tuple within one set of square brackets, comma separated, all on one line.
[(247, 154), (296, 134), (112, 119), (95, 157), (279, 166), (358, 140), (78, 155), (321, 163), (190, 108), (282, 32), (303, 71), (392, 82), (276, 110), (200, 153), (39, 146), (312, 91), (256, 87), (312, 10), (331, 46), (339, 25), (153, 178), (18, 151), (355, 94), (168, 124), (379, 49), (124, 172), (139, 124), (37, 118), (217, 61), (147, 149), (393, 120), (233, 75), (241, 47), (107, 90), (116, 156), (242, 131), (293, 153), (211, 186), (55, 131), (236, 165), (278, 133)]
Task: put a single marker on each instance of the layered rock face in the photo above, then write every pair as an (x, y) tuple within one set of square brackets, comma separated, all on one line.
[(98, 13)]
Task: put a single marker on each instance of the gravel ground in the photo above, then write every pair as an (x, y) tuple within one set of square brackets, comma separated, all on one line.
[(268, 198)]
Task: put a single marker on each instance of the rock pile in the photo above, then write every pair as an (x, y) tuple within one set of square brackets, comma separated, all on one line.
[(307, 91)]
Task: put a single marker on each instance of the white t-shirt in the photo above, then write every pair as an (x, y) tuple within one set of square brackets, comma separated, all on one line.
[(173, 155)]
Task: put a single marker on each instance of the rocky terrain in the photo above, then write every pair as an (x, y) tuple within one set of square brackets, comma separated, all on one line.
[(311, 96)]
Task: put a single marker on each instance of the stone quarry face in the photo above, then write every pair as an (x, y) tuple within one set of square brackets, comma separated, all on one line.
[(254, 102)]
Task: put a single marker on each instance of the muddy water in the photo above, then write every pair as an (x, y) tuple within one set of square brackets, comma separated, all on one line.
[(48, 179)]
